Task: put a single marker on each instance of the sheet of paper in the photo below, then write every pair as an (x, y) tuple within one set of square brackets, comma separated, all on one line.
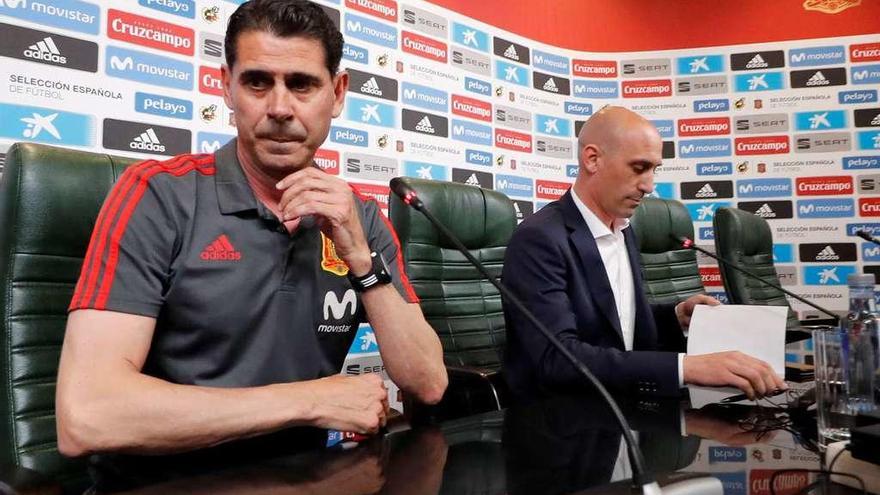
[(758, 331)]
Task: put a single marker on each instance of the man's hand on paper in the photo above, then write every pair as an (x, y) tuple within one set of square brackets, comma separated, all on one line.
[(754, 377)]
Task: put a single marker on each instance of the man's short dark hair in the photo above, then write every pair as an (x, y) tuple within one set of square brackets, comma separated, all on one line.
[(285, 18)]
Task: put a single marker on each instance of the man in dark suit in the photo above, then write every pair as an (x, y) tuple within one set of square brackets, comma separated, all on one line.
[(575, 265)]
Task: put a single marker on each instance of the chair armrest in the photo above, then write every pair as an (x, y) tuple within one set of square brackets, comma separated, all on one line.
[(467, 372), (16, 480), (470, 391)]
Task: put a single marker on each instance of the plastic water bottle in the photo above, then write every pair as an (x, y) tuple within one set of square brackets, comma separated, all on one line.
[(859, 344)]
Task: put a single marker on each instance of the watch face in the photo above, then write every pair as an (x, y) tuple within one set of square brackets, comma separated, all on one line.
[(378, 275), (380, 267)]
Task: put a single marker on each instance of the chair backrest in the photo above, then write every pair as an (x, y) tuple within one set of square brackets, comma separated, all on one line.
[(461, 305), (744, 238), (49, 200), (670, 271)]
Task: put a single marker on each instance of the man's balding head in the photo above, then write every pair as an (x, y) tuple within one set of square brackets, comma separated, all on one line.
[(610, 127), (618, 151)]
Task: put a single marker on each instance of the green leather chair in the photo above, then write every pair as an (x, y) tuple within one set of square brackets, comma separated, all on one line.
[(462, 307), (49, 200), (744, 238), (670, 271)]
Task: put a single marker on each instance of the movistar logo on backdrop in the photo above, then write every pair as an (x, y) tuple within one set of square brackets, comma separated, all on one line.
[(424, 97), (148, 68), (73, 15), (820, 55), (371, 31), (550, 62)]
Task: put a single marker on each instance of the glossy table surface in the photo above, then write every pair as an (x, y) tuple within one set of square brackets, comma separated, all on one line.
[(564, 445)]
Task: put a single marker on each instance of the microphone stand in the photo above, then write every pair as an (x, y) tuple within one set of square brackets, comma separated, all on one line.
[(689, 244), (868, 237), (641, 477)]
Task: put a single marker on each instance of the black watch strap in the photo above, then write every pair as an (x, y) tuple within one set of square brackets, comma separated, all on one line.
[(378, 275)]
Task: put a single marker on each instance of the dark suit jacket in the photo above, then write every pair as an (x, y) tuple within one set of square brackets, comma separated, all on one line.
[(552, 264)]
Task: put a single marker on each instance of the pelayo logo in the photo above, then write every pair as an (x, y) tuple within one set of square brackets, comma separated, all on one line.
[(182, 8), (857, 96), (164, 106), (351, 137)]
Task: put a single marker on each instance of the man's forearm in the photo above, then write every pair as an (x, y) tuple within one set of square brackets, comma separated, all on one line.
[(409, 346), (139, 413)]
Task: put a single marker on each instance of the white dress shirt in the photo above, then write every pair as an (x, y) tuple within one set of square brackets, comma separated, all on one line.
[(615, 258)]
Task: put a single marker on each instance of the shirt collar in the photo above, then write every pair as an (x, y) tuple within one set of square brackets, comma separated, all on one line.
[(234, 194), (597, 227)]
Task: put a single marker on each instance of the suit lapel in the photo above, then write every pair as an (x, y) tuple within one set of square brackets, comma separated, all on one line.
[(643, 337), (596, 277)]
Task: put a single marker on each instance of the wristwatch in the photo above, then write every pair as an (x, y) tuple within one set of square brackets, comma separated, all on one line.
[(378, 275)]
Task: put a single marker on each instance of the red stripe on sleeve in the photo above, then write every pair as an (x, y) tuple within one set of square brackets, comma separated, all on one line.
[(407, 286), (91, 265), (115, 238)]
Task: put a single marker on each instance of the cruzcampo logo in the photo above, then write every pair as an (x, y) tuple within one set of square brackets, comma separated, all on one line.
[(330, 262)]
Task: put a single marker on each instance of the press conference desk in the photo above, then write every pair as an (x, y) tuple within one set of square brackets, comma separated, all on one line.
[(566, 445)]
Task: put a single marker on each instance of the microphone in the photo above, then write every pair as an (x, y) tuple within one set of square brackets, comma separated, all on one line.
[(689, 244), (868, 237), (641, 477), (408, 195)]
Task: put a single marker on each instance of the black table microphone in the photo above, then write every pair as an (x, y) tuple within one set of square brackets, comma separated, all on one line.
[(868, 237), (689, 244)]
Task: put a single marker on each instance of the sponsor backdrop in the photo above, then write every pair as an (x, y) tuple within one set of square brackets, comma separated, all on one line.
[(788, 130)]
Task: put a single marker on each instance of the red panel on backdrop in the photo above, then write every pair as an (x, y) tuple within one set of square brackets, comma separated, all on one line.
[(636, 25)]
